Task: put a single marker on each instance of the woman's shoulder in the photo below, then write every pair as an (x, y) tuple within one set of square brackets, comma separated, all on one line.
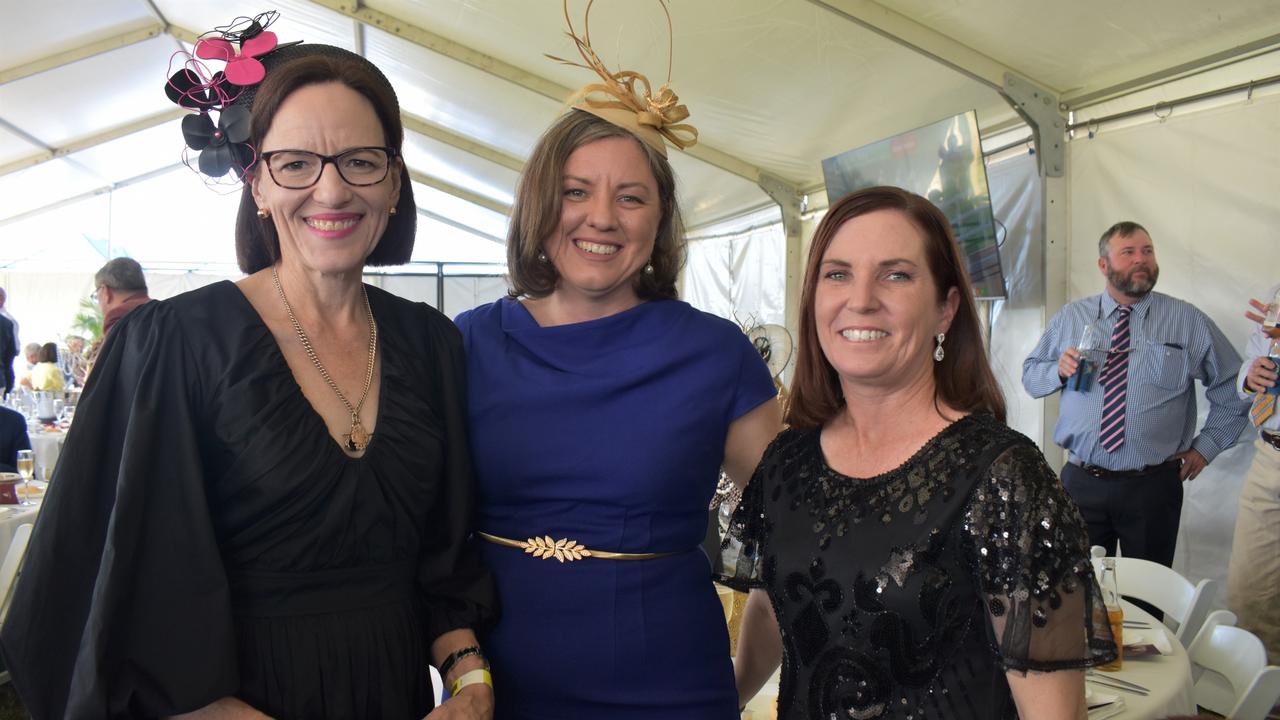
[(698, 320), (487, 314), (790, 446), (410, 319)]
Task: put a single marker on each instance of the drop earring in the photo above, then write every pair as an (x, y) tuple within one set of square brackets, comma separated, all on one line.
[(648, 268), (938, 352)]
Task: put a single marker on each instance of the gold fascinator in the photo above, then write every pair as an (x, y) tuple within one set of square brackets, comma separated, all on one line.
[(626, 98)]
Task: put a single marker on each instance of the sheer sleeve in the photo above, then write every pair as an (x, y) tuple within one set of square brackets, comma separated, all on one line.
[(122, 608), (459, 591), (1031, 557), (741, 559)]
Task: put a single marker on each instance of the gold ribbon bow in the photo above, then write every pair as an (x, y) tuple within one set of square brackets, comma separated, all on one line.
[(626, 98)]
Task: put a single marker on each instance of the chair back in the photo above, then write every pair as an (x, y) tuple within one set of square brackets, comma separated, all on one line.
[(9, 567), (1221, 652), (1185, 604)]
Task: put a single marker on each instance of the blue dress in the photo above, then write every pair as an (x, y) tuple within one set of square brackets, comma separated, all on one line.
[(610, 432)]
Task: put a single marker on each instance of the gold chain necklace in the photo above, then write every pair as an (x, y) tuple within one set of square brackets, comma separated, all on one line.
[(358, 439)]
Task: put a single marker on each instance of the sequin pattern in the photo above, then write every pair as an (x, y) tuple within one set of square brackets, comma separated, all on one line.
[(910, 594)]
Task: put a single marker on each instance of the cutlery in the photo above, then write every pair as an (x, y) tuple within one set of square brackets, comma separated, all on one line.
[(1112, 679), (1121, 688)]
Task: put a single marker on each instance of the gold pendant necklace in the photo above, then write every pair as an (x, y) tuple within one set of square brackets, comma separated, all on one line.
[(358, 439)]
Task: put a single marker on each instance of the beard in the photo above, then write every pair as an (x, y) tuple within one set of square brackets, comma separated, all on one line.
[(1130, 285)]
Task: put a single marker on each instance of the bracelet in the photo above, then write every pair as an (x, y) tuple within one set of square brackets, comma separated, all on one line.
[(457, 655), (472, 678)]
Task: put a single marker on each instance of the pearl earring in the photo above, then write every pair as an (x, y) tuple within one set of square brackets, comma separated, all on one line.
[(542, 257), (264, 213)]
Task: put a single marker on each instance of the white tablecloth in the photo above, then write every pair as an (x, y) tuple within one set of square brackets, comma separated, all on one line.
[(47, 446), (1167, 677)]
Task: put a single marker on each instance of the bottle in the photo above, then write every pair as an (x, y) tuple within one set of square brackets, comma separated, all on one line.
[(1115, 614)]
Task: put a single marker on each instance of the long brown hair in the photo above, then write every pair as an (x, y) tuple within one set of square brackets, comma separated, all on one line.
[(963, 380), (537, 210)]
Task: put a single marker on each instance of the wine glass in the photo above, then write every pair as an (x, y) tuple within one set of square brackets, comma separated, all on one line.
[(26, 468)]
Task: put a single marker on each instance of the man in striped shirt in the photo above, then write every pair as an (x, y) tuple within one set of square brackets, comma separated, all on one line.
[(1128, 411)]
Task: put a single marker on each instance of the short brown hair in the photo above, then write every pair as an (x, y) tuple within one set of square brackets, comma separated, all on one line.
[(962, 380), (295, 67), (1124, 229), (537, 210)]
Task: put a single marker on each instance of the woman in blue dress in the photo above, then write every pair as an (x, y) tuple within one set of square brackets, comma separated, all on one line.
[(601, 411)]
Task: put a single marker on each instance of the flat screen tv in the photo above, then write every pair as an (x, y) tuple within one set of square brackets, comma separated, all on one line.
[(943, 162)]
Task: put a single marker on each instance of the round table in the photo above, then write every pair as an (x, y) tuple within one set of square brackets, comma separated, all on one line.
[(1166, 677)]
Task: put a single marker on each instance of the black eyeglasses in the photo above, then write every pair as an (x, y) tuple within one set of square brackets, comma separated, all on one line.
[(300, 169)]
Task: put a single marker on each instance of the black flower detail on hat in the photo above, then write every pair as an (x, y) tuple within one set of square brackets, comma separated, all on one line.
[(222, 147)]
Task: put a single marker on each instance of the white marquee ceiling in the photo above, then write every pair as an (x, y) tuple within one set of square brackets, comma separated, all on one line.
[(774, 87)]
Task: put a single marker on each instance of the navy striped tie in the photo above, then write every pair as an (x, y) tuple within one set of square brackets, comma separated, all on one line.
[(1115, 378)]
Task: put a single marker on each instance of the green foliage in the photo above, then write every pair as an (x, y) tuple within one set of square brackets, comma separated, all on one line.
[(88, 322)]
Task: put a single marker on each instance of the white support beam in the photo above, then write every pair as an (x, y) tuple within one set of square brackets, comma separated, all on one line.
[(84, 143), (788, 199), (1056, 218), (460, 192), (1132, 77), (448, 137), (57, 60), (511, 73), (923, 39)]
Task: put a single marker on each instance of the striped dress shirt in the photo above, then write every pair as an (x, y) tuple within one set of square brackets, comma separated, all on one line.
[(1173, 345)]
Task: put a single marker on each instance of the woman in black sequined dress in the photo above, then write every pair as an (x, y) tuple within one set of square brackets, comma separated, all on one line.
[(921, 559)]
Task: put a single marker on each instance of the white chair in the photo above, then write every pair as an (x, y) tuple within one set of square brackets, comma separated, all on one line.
[(9, 572), (12, 561), (1230, 668), (1185, 604)]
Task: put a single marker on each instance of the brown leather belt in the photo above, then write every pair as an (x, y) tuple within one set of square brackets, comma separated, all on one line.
[(1271, 439), (1101, 472)]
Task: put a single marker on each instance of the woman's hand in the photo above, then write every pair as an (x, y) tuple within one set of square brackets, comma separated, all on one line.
[(473, 702)]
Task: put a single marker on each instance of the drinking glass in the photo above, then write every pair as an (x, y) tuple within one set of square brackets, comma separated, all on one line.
[(1092, 346), (26, 468)]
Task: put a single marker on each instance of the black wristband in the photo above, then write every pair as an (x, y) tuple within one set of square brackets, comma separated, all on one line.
[(457, 655)]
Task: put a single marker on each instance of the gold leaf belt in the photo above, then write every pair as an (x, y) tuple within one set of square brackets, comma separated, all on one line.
[(566, 550)]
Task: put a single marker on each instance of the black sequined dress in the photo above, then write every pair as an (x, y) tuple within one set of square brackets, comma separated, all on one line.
[(910, 594)]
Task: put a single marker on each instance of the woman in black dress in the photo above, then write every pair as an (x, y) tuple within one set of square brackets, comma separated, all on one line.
[(263, 506), (921, 559)]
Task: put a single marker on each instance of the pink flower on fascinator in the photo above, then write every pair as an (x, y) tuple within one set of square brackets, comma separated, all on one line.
[(242, 68)]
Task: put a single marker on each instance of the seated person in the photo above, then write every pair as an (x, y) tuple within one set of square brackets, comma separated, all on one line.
[(13, 437), (31, 353), (46, 375)]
